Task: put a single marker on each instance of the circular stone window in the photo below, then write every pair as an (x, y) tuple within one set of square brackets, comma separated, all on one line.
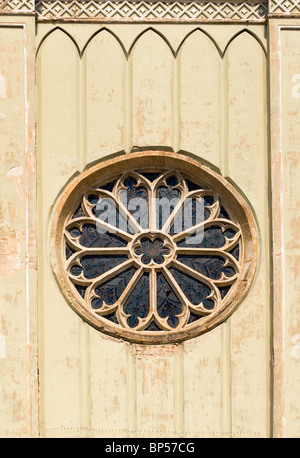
[(153, 247)]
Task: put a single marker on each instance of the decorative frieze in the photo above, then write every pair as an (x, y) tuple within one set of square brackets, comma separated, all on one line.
[(152, 11), (128, 11), (17, 6), (285, 7), (147, 11)]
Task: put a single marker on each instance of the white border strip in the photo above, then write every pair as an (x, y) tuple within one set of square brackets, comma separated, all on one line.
[(282, 232)]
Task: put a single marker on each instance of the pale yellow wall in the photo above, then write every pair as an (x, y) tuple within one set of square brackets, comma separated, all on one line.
[(101, 91), (134, 87)]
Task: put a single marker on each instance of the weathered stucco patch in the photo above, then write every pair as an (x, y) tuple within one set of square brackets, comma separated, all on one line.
[(11, 253), (17, 175), (2, 346)]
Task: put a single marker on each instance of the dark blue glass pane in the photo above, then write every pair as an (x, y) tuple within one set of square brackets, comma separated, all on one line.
[(194, 212), (194, 290), (108, 186), (81, 290), (110, 291), (224, 290), (170, 194), (208, 200), (106, 210), (223, 213), (152, 327), (171, 181), (229, 233), (168, 304), (93, 199), (193, 317), (74, 232), (78, 213), (135, 199), (167, 198), (137, 305), (235, 252), (76, 270), (191, 185), (112, 317), (93, 266), (213, 237), (151, 176), (130, 183), (69, 251), (210, 266), (91, 237)]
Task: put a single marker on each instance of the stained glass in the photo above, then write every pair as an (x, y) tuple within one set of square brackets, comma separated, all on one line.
[(92, 237), (194, 211), (151, 176), (223, 213), (211, 266), (91, 251), (137, 305), (224, 290), (168, 304), (108, 186), (78, 213), (135, 199), (81, 290), (194, 290), (191, 185), (112, 317), (110, 291), (212, 237), (167, 198), (193, 317), (69, 251), (152, 327), (235, 252), (93, 199), (93, 266), (106, 210)]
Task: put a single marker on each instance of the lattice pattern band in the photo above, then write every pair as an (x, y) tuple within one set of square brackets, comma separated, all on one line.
[(156, 11), (128, 11), (147, 11), (17, 6), (285, 7)]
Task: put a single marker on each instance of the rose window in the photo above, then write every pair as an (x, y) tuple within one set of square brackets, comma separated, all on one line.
[(153, 254)]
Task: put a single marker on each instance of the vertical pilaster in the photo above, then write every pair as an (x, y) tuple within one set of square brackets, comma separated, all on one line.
[(18, 260), (284, 71)]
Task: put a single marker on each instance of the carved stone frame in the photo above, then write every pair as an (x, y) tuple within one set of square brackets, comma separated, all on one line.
[(200, 174)]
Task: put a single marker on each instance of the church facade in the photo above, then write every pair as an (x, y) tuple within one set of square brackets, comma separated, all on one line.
[(113, 321)]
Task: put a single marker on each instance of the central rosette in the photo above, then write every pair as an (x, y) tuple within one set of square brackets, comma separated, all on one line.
[(152, 249)]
